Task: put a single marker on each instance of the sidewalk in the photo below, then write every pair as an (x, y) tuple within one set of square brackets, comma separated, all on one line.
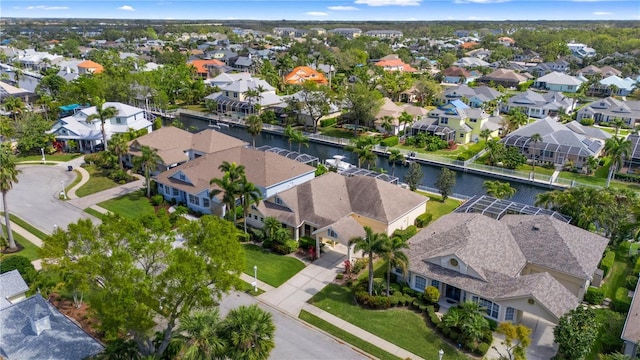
[(261, 285), (17, 229), (94, 199)]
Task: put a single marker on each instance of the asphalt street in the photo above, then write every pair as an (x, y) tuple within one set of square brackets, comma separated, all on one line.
[(295, 340), (34, 197)]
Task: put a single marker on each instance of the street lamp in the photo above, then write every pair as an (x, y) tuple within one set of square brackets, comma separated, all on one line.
[(440, 354), (255, 278), (64, 193), (44, 161)]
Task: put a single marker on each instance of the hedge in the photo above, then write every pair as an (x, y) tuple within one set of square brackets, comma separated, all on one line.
[(631, 282), (627, 177), (636, 268), (20, 263), (594, 296), (390, 141), (407, 233), (424, 219), (328, 122), (621, 302), (607, 261)]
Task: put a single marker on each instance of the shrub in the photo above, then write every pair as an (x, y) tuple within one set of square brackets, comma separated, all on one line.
[(374, 302), (631, 282), (594, 296), (407, 233), (157, 200), (493, 325), (20, 263), (636, 268), (390, 141), (119, 176), (611, 325), (257, 235), (470, 345), (340, 276), (628, 177), (431, 294), (394, 287), (621, 302), (482, 348), (306, 242), (408, 300), (587, 122), (607, 261), (359, 265), (424, 219), (394, 300), (328, 122), (288, 247), (454, 335)]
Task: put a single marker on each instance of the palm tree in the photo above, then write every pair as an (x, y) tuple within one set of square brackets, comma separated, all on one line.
[(254, 127), (118, 146), (288, 133), (14, 106), (249, 332), (386, 122), (617, 123), (235, 171), (8, 176), (591, 164), (535, 138), (392, 253), (394, 156), (249, 194), (498, 189), (370, 244), (405, 119), (485, 134), (103, 114), (496, 150), (251, 95), (271, 226), (199, 335), (299, 138), (147, 161), (617, 149), (229, 190), (516, 119)]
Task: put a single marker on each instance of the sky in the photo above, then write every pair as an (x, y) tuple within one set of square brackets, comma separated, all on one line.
[(358, 10)]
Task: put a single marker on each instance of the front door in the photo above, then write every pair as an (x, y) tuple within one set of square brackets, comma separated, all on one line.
[(453, 293)]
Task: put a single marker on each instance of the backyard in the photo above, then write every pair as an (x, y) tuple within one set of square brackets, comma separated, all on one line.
[(437, 208), (273, 269)]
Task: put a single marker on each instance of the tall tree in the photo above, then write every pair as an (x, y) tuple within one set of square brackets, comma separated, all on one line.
[(396, 259), (103, 114), (414, 176), (575, 333), (314, 100), (200, 336), (14, 105), (617, 123), (445, 182), (249, 332), (254, 127), (517, 339), (8, 177), (371, 244), (616, 149), (394, 156), (118, 146), (535, 139), (229, 185), (485, 134), (147, 161), (299, 138), (249, 194), (363, 104)]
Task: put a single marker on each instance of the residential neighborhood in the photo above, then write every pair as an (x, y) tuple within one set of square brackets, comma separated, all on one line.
[(275, 189)]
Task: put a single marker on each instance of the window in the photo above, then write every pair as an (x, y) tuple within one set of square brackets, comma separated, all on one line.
[(191, 199), (444, 121), (182, 177), (205, 202), (420, 283), (332, 233), (474, 120), (278, 201), (118, 121), (167, 190), (492, 308), (509, 315), (453, 262), (435, 283), (176, 192), (461, 135)]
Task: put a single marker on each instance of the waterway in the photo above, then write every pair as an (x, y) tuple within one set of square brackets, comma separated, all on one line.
[(25, 82), (466, 183)]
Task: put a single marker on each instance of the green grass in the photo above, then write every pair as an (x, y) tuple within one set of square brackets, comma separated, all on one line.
[(247, 288), (30, 250), (618, 273), (346, 336), (97, 182), (134, 205), (539, 169), (337, 132), (56, 157), (438, 208), (273, 269), (393, 325), (25, 225), (197, 107), (74, 182), (95, 213)]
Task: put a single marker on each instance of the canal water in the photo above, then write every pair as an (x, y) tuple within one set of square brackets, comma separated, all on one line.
[(25, 82), (466, 183)]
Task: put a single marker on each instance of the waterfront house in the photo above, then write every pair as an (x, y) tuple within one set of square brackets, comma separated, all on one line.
[(390, 109), (533, 264), (232, 98), (475, 97), (608, 109), (87, 134), (557, 81), (631, 330), (176, 146), (13, 288), (537, 105), (561, 144), (271, 173), (334, 208)]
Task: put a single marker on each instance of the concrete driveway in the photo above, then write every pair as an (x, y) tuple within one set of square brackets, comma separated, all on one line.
[(35, 197), (294, 339)]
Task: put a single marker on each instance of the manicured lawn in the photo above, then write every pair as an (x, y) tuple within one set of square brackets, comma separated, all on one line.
[(399, 326), (30, 251), (97, 182), (438, 208), (197, 107), (95, 213), (55, 157), (25, 225), (74, 182), (617, 274), (247, 288), (347, 337), (133, 206), (337, 132), (273, 269), (539, 169)]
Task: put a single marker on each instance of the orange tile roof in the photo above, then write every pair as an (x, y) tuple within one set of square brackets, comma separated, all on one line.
[(88, 64), (304, 73), (200, 65), (469, 45), (395, 63)]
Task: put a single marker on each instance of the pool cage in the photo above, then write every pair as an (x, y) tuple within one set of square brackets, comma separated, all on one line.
[(356, 171), (497, 208), (294, 155), (633, 161)]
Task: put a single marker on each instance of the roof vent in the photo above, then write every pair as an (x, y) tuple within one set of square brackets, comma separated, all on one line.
[(40, 325), (535, 227)]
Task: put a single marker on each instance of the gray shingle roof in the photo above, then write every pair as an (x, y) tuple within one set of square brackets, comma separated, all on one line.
[(60, 338), (11, 284)]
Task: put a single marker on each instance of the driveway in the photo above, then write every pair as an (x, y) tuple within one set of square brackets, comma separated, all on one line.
[(35, 197), (294, 339)]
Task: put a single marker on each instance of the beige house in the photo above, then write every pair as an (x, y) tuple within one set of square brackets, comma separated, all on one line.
[(176, 146), (390, 109), (521, 263), (335, 208)]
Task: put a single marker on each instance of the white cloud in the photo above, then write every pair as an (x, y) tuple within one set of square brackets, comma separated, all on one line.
[(44, 7), (126, 8), (480, 1), (389, 2), (342, 8), (600, 13), (317, 13)]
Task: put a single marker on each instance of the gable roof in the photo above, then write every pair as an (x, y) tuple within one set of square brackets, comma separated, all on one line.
[(301, 74), (12, 284), (505, 75), (201, 65), (88, 64), (58, 337), (558, 78)]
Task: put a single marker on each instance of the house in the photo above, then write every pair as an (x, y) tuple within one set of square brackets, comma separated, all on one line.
[(355, 202), (228, 57), (560, 143), (604, 71), (481, 53), (541, 69), (176, 146), (631, 330), (505, 77), (87, 134), (612, 85), (394, 63), (7, 90), (471, 62), (393, 111), (385, 34), (557, 81), (581, 50), (13, 288), (301, 111), (289, 32), (475, 97), (232, 98), (206, 68), (528, 56), (89, 67), (538, 105), (349, 33), (533, 264), (458, 75), (605, 110), (35, 329), (270, 173), (300, 74), (465, 122)]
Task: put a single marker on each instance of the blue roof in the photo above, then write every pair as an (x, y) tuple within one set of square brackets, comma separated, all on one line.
[(69, 107), (459, 104)]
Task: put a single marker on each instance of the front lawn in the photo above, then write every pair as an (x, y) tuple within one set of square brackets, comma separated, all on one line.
[(25, 225), (273, 269), (438, 208), (30, 250), (402, 327), (98, 181), (55, 157), (134, 205)]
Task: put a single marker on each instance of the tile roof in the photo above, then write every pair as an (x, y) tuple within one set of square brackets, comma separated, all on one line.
[(12, 284), (301, 74), (558, 78), (58, 338), (505, 75), (201, 65), (88, 64)]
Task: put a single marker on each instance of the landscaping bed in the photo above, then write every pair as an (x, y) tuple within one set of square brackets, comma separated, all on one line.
[(80, 315)]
